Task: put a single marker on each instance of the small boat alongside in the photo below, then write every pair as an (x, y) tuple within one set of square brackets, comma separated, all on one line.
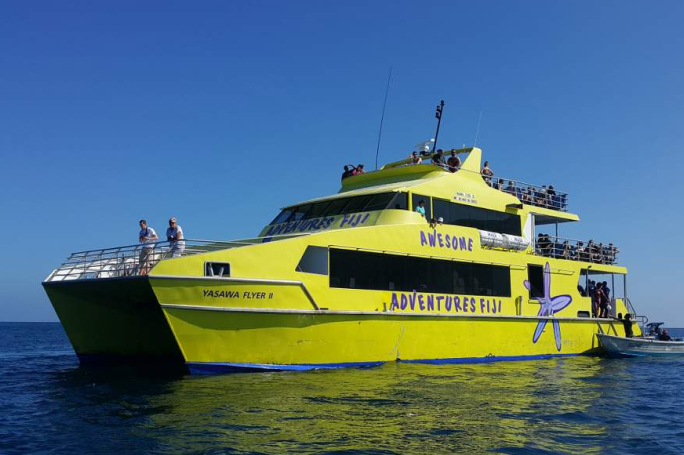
[(639, 347)]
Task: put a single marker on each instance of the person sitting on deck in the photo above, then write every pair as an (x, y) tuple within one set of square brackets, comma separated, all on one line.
[(415, 159), (487, 173), (147, 236), (510, 189), (664, 336), (438, 158), (454, 162), (527, 196), (551, 198), (358, 170), (627, 323), (421, 208)]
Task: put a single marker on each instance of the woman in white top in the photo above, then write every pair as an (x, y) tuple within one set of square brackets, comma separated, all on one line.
[(174, 234)]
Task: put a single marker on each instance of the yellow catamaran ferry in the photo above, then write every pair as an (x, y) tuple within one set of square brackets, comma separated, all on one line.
[(358, 278)]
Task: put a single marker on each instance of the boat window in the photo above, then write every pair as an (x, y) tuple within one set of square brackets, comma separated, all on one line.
[(356, 204), (314, 260), (298, 213), (535, 275), (400, 202), (336, 207), (478, 218), (387, 272), (318, 210), (583, 314), (282, 217), (378, 202), (366, 203), (217, 269), (416, 198)]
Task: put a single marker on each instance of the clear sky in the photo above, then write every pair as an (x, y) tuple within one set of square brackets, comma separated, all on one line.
[(222, 112)]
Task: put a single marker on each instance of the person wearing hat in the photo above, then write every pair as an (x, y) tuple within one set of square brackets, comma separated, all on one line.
[(664, 336), (174, 235)]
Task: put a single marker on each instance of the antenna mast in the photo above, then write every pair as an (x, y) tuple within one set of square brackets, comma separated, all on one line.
[(477, 130), (382, 118), (438, 116)]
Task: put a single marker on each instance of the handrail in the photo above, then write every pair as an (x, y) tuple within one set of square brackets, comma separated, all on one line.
[(527, 193), (575, 250), (138, 259)]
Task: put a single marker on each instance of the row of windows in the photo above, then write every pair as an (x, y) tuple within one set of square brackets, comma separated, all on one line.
[(340, 206), (469, 216), (386, 272), (452, 213)]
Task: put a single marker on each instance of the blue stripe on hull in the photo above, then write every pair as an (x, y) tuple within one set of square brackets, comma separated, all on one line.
[(487, 359), (217, 367), (211, 367)]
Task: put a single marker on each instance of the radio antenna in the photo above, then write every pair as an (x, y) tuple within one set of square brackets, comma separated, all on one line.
[(382, 118), (438, 116), (477, 130)]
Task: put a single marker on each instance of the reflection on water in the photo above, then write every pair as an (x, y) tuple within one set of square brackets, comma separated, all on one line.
[(570, 405)]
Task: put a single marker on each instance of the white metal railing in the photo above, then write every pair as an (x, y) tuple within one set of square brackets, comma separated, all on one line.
[(575, 250), (139, 259)]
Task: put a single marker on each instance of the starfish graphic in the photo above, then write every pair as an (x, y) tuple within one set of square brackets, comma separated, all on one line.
[(549, 307)]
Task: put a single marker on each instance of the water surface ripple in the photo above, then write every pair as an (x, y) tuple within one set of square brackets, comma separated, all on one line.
[(589, 405)]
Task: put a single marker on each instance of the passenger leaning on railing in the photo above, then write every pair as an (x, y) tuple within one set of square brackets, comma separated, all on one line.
[(454, 162), (147, 237), (487, 173), (174, 234)]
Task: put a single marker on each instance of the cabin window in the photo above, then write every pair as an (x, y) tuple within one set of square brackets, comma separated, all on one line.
[(535, 276), (475, 217), (220, 269), (416, 198), (345, 205), (399, 202), (389, 272), (314, 260)]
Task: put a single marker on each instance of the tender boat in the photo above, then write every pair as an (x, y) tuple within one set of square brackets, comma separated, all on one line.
[(639, 347), (356, 278)]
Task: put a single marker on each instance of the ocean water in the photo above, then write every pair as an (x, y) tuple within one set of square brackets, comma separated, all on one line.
[(51, 405)]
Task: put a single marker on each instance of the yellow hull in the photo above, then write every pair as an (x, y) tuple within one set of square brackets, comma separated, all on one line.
[(223, 340)]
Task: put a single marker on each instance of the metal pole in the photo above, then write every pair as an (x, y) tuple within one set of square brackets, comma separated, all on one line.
[(438, 116)]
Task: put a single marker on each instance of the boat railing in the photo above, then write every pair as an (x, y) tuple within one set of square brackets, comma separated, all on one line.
[(575, 250), (138, 259), (641, 320), (529, 194)]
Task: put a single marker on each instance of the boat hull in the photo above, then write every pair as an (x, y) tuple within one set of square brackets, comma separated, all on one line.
[(640, 347), (114, 321), (217, 340)]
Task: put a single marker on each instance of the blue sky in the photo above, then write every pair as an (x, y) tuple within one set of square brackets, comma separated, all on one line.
[(222, 112)]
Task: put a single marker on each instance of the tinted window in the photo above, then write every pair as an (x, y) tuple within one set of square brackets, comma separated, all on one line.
[(440, 208), (400, 202), (386, 272), (378, 202), (535, 275), (340, 206), (475, 217), (314, 260)]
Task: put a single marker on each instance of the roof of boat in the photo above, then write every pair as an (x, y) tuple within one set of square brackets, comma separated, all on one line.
[(465, 186)]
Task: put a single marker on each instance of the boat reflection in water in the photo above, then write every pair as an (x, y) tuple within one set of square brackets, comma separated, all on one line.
[(398, 408)]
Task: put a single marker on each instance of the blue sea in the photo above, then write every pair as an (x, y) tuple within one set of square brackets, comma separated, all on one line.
[(580, 405)]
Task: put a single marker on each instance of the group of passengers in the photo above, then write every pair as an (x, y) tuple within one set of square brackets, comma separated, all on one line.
[(148, 238), (531, 195), (452, 164), (591, 252), (350, 170), (600, 298)]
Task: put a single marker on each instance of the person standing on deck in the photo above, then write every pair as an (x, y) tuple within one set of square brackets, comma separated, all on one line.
[(627, 323), (487, 173), (147, 236), (174, 235), (454, 162)]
